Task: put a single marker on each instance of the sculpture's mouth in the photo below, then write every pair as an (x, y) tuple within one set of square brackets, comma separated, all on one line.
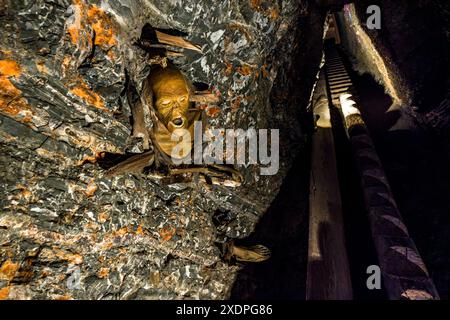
[(178, 122)]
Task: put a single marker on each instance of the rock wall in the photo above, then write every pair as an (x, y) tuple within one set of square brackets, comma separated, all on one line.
[(367, 57), (67, 230)]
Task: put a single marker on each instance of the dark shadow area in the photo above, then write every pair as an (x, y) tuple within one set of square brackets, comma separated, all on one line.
[(284, 230), (200, 86), (149, 33), (109, 160), (417, 167), (150, 43), (374, 106)]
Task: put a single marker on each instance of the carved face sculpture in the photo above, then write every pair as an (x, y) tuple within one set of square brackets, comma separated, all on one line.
[(171, 97), (171, 94)]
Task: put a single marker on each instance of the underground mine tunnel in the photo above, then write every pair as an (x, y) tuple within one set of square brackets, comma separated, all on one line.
[(214, 150)]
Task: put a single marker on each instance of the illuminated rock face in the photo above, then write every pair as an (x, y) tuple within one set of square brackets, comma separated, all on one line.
[(67, 231), (417, 57)]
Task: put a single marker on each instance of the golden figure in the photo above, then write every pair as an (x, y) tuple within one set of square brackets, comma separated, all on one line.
[(171, 95), (171, 101)]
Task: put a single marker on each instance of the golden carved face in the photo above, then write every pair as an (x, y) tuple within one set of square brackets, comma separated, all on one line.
[(171, 97)]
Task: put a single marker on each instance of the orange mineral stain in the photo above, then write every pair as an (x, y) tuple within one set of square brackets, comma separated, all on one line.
[(264, 71), (103, 273), (122, 231), (228, 69), (91, 159), (236, 103), (106, 246), (40, 65), (85, 93), (244, 70), (256, 4), (274, 13), (76, 28), (102, 25), (103, 217), (8, 270), (213, 112), (11, 101), (24, 192), (167, 233), (139, 230), (91, 189), (73, 32), (4, 293), (73, 258), (9, 68), (66, 62)]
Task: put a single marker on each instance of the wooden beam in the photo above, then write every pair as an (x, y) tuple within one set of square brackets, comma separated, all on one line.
[(135, 164), (328, 274), (176, 41)]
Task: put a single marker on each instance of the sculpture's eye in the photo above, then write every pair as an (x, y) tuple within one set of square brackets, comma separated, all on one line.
[(166, 103), (182, 99)]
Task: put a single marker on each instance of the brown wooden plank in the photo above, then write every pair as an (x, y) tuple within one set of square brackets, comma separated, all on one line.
[(176, 41), (328, 275)]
